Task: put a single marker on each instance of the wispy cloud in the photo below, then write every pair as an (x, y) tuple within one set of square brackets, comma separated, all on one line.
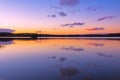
[(73, 24), (96, 29), (74, 11), (93, 8), (69, 3), (52, 16), (106, 17), (6, 30), (62, 14), (56, 7)]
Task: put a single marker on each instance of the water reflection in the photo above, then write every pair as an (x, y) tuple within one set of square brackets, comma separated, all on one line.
[(71, 48), (62, 59), (104, 55), (94, 65), (88, 78), (1, 46), (69, 72), (52, 59), (4, 43), (96, 44)]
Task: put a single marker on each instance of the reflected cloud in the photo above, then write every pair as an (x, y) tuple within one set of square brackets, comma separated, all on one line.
[(96, 44), (1, 46), (53, 57), (3, 43), (94, 65), (62, 59), (104, 55), (6, 42), (69, 72), (75, 62), (49, 58), (88, 78), (71, 48)]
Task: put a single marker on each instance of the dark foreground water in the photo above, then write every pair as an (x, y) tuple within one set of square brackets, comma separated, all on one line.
[(60, 59)]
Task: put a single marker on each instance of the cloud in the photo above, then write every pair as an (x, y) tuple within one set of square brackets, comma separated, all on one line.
[(6, 30), (73, 24), (62, 14), (57, 7), (96, 29), (93, 8), (52, 16), (69, 3), (74, 11), (106, 17)]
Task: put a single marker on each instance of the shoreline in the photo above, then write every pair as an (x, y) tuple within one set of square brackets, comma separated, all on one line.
[(61, 37)]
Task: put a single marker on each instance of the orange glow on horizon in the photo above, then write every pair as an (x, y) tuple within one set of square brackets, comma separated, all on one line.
[(67, 31)]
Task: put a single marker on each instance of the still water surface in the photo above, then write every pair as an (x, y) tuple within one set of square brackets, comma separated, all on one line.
[(60, 59)]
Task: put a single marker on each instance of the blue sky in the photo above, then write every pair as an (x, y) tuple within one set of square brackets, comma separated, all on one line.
[(32, 15)]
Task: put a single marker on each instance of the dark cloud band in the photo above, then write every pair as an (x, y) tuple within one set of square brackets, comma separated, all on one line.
[(73, 24), (96, 29), (69, 3), (6, 30)]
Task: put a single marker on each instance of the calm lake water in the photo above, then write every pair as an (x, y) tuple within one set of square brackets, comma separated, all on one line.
[(60, 59)]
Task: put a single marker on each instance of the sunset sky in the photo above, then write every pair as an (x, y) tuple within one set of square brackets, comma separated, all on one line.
[(60, 16)]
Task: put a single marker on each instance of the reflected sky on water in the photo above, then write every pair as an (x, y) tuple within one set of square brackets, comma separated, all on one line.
[(60, 59)]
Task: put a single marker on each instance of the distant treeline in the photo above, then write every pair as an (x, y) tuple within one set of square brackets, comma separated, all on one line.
[(33, 35)]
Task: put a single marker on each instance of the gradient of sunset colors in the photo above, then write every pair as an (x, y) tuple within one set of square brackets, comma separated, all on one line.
[(60, 16)]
